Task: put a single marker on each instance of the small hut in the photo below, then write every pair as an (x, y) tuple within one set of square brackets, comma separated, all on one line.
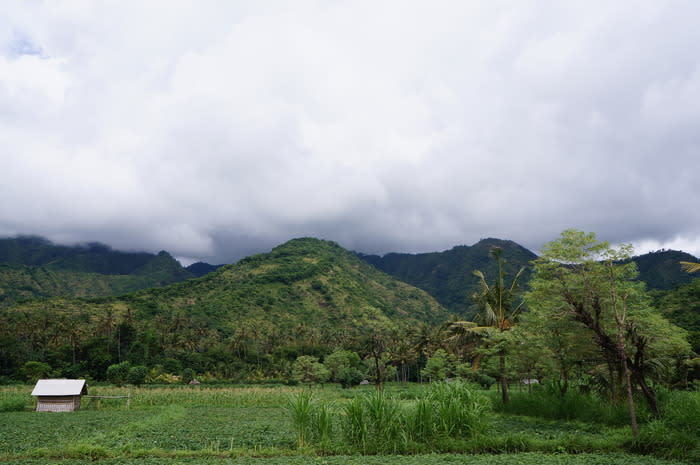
[(59, 395)]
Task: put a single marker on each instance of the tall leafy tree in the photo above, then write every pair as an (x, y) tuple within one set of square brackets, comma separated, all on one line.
[(498, 309), (593, 284)]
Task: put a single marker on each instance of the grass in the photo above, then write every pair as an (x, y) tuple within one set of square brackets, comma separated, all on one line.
[(430, 459), (254, 425), (546, 402)]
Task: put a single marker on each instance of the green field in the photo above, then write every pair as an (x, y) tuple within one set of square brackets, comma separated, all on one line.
[(237, 425)]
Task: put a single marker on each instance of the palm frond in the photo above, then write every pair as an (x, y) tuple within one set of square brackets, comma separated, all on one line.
[(690, 267)]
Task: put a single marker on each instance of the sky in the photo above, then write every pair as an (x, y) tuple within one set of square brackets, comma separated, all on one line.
[(218, 129)]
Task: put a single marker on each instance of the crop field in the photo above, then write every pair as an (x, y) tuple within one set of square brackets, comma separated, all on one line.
[(254, 425)]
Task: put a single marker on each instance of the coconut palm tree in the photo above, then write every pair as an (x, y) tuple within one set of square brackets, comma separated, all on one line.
[(498, 311)]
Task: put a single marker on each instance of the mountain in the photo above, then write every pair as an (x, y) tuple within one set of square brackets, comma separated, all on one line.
[(199, 269), (448, 276), (302, 297), (662, 270), (682, 307), (33, 267)]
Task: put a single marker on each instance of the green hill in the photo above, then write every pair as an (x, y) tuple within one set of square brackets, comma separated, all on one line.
[(32, 267), (305, 296), (199, 269), (682, 307), (447, 275), (662, 270)]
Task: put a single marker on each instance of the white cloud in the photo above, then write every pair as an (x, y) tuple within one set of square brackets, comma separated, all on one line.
[(215, 129)]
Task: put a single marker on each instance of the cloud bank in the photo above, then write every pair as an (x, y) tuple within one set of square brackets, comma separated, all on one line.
[(219, 129)]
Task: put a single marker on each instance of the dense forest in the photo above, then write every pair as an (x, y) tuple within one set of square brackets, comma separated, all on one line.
[(248, 320), (311, 311)]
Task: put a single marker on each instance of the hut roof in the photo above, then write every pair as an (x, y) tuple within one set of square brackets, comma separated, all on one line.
[(59, 387)]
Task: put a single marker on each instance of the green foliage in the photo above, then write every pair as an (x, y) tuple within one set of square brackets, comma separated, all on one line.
[(466, 372), (662, 270), (448, 276), (13, 405), (301, 410), (340, 361), (244, 321), (581, 281), (682, 307), (439, 366), (377, 422), (548, 402), (187, 376), (118, 373), (33, 371), (248, 424), (137, 375), (307, 369), (350, 376), (32, 268), (459, 409), (677, 433)]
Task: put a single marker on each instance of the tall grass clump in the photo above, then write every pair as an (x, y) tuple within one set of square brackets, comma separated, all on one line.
[(677, 433), (301, 408), (313, 421), (548, 402), (382, 421), (459, 409), (14, 400), (376, 422)]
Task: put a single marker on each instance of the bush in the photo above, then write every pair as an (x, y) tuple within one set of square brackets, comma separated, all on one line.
[(307, 369), (348, 377), (33, 371), (118, 373), (137, 375), (12, 405), (187, 375)]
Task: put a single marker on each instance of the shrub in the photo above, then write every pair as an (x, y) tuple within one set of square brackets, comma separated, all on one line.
[(187, 375), (348, 377), (118, 373), (33, 371), (307, 369), (138, 375), (12, 405)]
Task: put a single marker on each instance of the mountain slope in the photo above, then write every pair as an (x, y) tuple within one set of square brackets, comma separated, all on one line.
[(32, 267), (303, 295), (448, 276), (199, 269), (662, 269)]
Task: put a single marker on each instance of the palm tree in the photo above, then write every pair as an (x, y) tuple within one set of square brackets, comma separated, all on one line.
[(690, 267), (498, 312)]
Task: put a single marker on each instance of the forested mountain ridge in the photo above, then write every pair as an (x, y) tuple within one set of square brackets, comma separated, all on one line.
[(33, 267), (304, 296), (199, 269), (448, 276), (662, 270)]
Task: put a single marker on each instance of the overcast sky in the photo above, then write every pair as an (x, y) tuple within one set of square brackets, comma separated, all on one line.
[(218, 129)]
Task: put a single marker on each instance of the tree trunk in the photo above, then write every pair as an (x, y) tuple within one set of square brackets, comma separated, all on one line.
[(502, 375), (564, 373), (630, 398)]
